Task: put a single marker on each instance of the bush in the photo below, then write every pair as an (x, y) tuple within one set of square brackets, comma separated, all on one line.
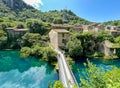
[(49, 54), (58, 84), (25, 52), (74, 48), (20, 25)]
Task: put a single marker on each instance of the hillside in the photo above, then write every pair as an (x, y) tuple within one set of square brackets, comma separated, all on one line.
[(18, 11), (114, 23)]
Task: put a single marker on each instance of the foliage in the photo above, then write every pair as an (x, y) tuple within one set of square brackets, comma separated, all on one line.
[(113, 23), (3, 39), (93, 77), (25, 52), (22, 12), (37, 27), (104, 35), (20, 25), (112, 78), (58, 21), (58, 84), (90, 41), (30, 39), (46, 53), (96, 77), (49, 54), (74, 48)]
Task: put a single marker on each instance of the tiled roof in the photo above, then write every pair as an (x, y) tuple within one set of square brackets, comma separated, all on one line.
[(16, 29), (61, 30)]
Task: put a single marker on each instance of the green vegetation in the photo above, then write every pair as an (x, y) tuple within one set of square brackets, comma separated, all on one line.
[(113, 23), (74, 48), (58, 84), (33, 44), (98, 78), (3, 39)]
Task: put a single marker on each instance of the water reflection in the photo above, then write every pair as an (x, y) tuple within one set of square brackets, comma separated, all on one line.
[(20, 72)]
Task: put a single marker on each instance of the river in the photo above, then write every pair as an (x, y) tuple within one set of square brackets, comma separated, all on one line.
[(18, 72)]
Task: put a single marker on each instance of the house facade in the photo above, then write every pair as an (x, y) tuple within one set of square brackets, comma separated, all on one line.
[(14, 33), (108, 48), (59, 37)]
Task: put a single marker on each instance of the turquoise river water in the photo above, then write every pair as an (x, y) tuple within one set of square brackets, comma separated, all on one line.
[(18, 72)]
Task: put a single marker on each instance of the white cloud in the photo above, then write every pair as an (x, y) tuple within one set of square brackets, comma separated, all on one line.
[(34, 3)]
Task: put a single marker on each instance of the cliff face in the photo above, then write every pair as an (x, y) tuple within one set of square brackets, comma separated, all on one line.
[(17, 5)]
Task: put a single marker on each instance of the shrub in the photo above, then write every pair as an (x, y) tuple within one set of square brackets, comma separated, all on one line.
[(25, 52)]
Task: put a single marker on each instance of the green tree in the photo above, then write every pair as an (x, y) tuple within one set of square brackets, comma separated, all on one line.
[(58, 84), (97, 77), (25, 52), (104, 35), (3, 39), (49, 54), (20, 25), (112, 78), (37, 27), (29, 39), (74, 48), (58, 21)]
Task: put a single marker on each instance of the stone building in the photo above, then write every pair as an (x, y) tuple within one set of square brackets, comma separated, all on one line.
[(59, 37), (113, 30), (14, 33), (108, 48)]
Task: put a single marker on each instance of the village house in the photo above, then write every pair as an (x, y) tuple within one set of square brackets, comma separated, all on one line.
[(15, 33), (108, 48), (114, 30), (93, 27), (59, 37), (73, 28)]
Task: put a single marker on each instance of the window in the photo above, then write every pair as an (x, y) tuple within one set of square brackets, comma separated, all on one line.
[(63, 35), (64, 41)]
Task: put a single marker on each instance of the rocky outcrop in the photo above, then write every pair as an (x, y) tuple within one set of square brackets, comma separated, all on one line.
[(16, 5)]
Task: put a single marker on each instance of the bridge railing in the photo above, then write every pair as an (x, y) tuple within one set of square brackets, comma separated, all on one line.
[(70, 83), (74, 79)]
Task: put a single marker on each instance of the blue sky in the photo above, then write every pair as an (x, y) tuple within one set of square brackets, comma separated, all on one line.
[(93, 10)]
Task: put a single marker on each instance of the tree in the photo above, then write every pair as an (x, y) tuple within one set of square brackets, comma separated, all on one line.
[(112, 78), (49, 54), (29, 39), (25, 52), (93, 77), (97, 77), (20, 25), (3, 39), (37, 27), (58, 21), (58, 84), (87, 41), (104, 35), (74, 48)]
